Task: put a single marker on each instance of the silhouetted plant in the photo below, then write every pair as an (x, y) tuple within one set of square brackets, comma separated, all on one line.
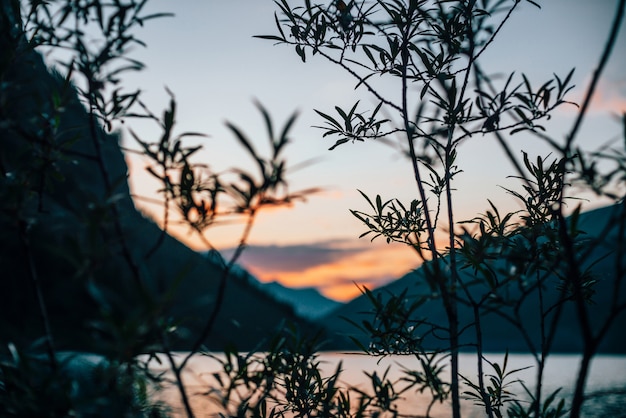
[(67, 123), (444, 98), (494, 264), (497, 392)]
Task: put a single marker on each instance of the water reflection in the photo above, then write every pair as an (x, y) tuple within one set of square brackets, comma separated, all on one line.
[(606, 384)]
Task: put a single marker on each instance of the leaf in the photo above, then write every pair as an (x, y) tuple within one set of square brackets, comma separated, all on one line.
[(328, 118), (369, 54), (270, 37), (301, 53), (339, 142), (156, 16), (534, 3), (247, 145), (284, 139), (342, 113), (154, 173), (267, 120)]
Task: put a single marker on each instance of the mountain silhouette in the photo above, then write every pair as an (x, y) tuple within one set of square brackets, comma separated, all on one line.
[(67, 220), (498, 333), (308, 302)]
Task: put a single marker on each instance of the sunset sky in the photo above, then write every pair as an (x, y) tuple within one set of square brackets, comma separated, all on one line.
[(208, 57)]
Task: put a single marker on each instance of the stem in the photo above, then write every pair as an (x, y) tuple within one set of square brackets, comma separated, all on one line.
[(479, 355), (544, 352), (361, 80), (495, 33), (546, 338), (608, 48), (206, 331), (452, 307), (221, 290), (109, 192), (166, 213), (579, 392), (41, 303), (590, 343), (179, 380), (447, 298), (507, 149), (412, 153)]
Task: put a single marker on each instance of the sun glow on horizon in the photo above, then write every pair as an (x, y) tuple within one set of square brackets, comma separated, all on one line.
[(205, 101), (339, 278)]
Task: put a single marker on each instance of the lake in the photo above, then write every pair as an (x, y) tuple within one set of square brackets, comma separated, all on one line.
[(606, 384)]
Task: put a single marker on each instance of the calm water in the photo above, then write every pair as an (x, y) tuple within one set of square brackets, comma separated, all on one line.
[(608, 375)]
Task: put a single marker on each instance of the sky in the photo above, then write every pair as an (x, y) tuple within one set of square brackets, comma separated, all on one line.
[(207, 56)]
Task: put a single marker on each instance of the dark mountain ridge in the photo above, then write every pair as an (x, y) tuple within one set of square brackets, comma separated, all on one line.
[(56, 223), (499, 335), (308, 302), (58, 200)]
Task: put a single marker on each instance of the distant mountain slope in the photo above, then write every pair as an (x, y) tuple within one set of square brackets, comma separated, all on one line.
[(307, 302), (499, 334), (74, 246)]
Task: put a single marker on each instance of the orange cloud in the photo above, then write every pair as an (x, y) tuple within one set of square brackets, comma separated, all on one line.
[(332, 267)]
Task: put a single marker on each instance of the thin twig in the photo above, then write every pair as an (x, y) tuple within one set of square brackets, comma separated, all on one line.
[(604, 59), (206, 331), (41, 303), (590, 343)]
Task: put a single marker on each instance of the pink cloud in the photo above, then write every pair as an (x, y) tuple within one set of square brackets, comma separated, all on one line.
[(609, 97)]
